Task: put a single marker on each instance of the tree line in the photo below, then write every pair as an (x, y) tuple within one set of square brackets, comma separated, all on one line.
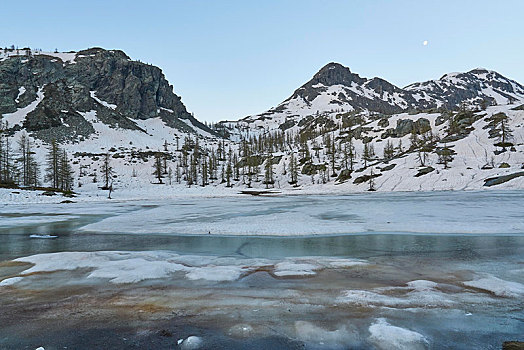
[(19, 166)]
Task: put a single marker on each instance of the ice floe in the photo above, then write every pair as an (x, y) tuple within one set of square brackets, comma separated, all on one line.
[(387, 337), (497, 286), (133, 267), (341, 337)]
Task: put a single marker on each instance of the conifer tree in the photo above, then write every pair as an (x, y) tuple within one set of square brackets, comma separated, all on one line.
[(229, 173), (28, 166), (65, 172), (107, 171), (371, 181), (333, 156), (293, 169), (445, 156), (53, 165), (204, 171), (389, 150), (268, 178), (158, 169), (6, 167), (369, 153)]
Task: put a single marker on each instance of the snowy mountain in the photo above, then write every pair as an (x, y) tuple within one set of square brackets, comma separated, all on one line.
[(337, 133), (476, 87), (335, 90)]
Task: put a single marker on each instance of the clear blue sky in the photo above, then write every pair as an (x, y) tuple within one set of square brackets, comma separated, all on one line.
[(229, 59)]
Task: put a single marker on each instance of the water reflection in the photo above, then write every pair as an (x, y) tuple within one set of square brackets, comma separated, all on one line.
[(356, 246)]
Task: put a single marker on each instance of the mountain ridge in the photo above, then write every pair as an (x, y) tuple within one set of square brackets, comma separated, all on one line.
[(347, 91)]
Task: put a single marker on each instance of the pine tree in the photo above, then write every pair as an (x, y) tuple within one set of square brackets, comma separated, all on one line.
[(33, 171), (293, 169), (27, 165), (369, 153), (501, 121), (445, 156), (53, 165), (158, 169), (65, 173), (268, 178), (236, 168), (414, 140), (422, 155), (177, 138), (204, 171), (107, 171), (6, 170), (229, 172), (194, 169), (371, 181), (170, 176), (333, 156), (400, 148), (389, 150), (22, 159)]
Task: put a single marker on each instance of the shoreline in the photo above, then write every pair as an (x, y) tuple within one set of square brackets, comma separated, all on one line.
[(14, 196)]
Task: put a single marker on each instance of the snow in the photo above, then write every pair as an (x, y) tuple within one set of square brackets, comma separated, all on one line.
[(422, 285), (17, 118), (217, 273), (43, 236), (65, 57), (489, 91), (294, 269), (387, 337), (498, 286), (103, 103), (10, 281), (21, 91), (167, 110)]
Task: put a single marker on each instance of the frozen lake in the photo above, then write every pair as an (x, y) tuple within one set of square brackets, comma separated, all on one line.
[(385, 271)]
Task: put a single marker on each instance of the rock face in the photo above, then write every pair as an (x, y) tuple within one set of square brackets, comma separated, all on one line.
[(406, 126), (65, 85)]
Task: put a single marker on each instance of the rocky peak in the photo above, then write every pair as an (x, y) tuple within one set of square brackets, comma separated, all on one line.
[(335, 74), (107, 81)]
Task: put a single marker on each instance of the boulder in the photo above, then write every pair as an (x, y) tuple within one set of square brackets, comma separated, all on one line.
[(365, 178), (344, 176), (424, 171)]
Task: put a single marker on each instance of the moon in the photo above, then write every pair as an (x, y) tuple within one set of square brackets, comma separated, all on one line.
[(425, 43)]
